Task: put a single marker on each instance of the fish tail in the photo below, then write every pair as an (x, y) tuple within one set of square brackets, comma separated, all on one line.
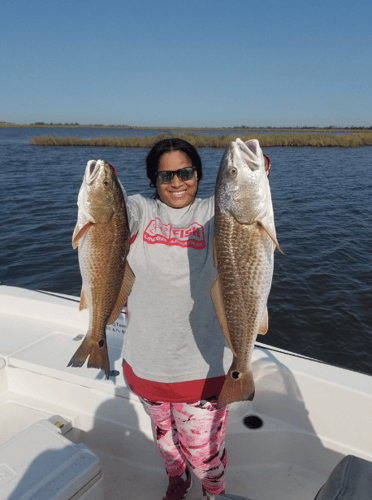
[(99, 358), (81, 354), (97, 353), (238, 386)]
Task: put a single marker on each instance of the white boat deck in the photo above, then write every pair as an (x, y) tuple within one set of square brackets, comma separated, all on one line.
[(313, 414)]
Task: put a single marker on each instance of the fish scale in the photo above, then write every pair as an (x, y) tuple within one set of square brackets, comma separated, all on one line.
[(244, 243), (93, 258), (245, 261), (103, 238)]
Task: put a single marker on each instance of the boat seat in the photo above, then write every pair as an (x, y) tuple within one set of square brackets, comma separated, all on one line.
[(350, 479)]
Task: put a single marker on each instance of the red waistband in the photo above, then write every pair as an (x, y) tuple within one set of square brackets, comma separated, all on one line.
[(176, 392)]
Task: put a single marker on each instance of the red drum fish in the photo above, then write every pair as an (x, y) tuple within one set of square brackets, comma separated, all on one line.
[(244, 244), (102, 237)]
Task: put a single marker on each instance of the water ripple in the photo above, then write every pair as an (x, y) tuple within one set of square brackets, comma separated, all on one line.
[(320, 303)]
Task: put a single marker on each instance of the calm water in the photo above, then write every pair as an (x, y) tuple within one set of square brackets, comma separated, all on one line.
[(321, 299)]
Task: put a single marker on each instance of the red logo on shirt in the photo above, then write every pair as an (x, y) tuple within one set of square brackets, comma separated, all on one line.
[(190, 236)]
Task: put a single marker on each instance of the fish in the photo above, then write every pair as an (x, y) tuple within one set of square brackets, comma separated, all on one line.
[(102, 237), (244, 241)]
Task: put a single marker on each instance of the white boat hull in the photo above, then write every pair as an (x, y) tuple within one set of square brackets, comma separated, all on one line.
[(312, 414)]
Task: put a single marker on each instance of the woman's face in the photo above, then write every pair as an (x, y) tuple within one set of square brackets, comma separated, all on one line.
[(178, 193)]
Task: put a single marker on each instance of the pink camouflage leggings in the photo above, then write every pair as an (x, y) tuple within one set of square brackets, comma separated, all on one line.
[(193, 433)]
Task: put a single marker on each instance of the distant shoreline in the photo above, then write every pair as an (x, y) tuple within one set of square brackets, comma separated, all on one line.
[(237, 128), (345, 140)]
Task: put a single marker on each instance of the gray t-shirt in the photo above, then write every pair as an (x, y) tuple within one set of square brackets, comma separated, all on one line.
[(173, 333)]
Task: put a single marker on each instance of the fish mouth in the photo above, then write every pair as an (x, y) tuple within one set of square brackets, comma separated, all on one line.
[(92, 170), (250, 152)]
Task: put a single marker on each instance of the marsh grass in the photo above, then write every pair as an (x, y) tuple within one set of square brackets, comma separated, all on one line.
[(213, 141)]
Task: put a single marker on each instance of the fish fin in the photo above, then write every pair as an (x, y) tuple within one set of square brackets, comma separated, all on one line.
[(238, 386), (83, 301), (218, 304), (81, 354), (272, 236), (215, 253), (79, 233), (264, 326), (126, 288), (98, 356)]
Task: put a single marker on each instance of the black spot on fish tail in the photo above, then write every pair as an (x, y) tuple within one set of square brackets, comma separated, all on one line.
[(238, 386), (96, 354)]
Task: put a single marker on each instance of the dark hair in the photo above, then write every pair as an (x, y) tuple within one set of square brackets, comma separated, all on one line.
[(167, 146)]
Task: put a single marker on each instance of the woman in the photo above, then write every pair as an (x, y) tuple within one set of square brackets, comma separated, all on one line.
[(175, 352)]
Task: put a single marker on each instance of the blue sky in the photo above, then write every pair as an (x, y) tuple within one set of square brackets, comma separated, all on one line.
[(187, 63)]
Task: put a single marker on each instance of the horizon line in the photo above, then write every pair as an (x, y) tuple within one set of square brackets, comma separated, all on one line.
[(146, 127)]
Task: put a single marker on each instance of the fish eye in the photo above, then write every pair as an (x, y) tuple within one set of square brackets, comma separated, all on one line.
[(106, 183), (233, 171)]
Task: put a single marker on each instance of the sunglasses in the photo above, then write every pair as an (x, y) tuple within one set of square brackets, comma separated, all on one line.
[(184, 174)]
